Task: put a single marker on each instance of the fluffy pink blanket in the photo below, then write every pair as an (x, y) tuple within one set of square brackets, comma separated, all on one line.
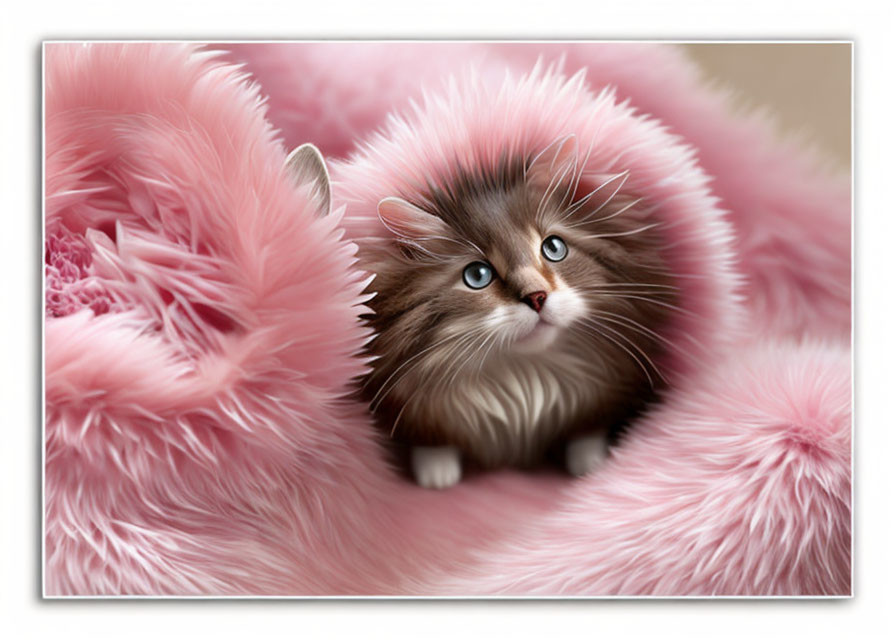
[(202, 327)]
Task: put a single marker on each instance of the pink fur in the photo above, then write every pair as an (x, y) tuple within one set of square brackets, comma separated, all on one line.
[(474, 121), (791, 213), (738, 485), (195, 438)]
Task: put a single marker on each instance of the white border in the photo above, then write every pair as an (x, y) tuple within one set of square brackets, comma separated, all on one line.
[(869, 22), (411, 597)]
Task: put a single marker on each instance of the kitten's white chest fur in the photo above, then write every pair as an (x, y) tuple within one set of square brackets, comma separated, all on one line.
[(511, 409), (510, 419), (509, 412)]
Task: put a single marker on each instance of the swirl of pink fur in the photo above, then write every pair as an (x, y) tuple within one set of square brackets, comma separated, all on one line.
[(197, 441)]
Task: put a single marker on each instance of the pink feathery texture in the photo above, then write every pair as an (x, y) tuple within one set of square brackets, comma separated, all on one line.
[(476, 121), (202, 331), (738, 485), (791, 213)]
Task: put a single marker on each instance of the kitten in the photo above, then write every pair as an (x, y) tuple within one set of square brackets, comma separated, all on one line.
[(514, 312)]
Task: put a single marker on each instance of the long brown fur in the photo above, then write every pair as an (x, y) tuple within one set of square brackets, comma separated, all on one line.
[(441, 378)]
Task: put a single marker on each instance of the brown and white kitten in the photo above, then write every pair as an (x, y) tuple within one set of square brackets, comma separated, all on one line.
[(514, 312)]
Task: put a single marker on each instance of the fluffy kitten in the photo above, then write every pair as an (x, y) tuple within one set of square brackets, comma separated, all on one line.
[(514, 311)]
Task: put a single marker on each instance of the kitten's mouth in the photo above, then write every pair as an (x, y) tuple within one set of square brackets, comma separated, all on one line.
[(541, 335)]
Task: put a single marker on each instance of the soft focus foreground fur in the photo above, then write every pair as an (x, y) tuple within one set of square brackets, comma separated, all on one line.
[(176, 410), (203, 324), (740, 484)]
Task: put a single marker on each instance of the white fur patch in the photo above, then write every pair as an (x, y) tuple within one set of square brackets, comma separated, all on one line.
[(511, 320), (517, 405), (436, 467), (498, 316), (564, 306), (537, 340)]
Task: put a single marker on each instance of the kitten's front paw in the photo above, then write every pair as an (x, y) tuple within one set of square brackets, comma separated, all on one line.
[(436, 467), (585, 454)]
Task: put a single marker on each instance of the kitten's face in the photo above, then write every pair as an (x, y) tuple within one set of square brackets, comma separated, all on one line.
[(529, 282), (519, 262)]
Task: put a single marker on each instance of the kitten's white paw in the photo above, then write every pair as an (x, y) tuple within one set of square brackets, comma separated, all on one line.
[(585, 454), (436, 467)]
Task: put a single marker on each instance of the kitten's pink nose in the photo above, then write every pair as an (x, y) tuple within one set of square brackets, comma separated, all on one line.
[(535, 299)]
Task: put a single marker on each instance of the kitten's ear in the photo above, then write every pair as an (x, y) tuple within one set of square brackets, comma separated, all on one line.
[(408, 221), (307, 167), (556, 162)]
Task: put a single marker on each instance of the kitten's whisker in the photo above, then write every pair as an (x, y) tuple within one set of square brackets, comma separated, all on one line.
[(577, 171), (417, 355), (599, 325), (633, 324), (427, 257), (476, 248), (397, 418), (484, 358), (402, 366), (635, 346), (460, 367), (597, 330), (463, 242), (447, 239), (685, 276), (386, 392), (583, 166), (659, 295), (457, 366), (553, 185), (424, 384), (657, 302), (639, 284), (546, 195), (572, 209), (588, 221), (464, 340), (677, 276), (578, 204), (624, 175)]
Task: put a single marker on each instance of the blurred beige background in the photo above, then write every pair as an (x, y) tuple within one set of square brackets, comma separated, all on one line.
[(806, 86)]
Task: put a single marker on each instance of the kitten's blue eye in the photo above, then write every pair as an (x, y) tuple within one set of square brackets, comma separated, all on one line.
[(478, 275), (554, 249)]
